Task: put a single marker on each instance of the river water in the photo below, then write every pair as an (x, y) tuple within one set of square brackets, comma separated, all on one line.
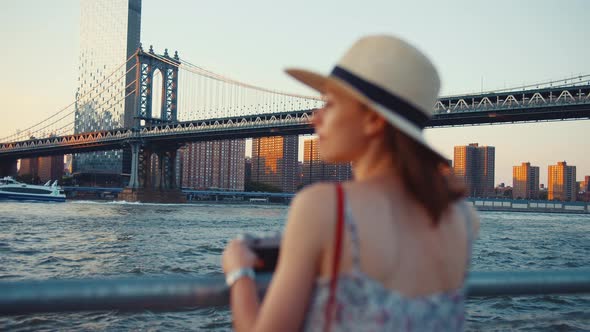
[(92, 240)]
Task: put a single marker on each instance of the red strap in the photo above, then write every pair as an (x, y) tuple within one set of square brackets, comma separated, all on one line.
[(337, 253)]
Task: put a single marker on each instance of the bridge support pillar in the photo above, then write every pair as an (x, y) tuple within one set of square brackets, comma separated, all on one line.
[(166, 173), (8, 168), (134, 178), (152, 182)]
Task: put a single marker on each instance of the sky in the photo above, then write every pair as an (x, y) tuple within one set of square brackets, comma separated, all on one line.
[(474, 45)]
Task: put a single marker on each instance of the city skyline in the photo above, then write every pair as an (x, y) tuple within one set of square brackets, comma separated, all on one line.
[(247, 50)]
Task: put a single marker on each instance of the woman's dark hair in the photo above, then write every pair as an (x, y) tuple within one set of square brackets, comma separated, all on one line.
[(426, 176)]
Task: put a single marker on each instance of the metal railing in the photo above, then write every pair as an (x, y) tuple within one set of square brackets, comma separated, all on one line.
[(175, 293)]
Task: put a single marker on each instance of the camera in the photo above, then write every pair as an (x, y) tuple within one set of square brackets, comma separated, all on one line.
[(266, 248)]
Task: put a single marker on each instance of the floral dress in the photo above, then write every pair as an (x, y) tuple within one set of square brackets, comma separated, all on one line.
[(364, 304)]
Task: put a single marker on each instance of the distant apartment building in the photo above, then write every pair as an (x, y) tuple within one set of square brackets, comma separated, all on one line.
[(503, 191), (214, 165), (525, 181), (300, 174), (562, 182), (68, 164), (585, 185), (42, 169), (247, 169), (178, 164), (316, 170), (29, 167), (475, 166), (51, 168), (584, 194), (274, 162)]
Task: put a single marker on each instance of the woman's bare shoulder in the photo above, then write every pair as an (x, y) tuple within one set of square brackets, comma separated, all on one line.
[(310, 215), (315, 196), (315, 203)]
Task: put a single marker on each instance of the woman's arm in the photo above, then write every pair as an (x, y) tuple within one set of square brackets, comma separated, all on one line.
[(243, 298), (308, 224)]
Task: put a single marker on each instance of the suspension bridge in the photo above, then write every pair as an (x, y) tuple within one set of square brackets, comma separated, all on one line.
[(152, 104)]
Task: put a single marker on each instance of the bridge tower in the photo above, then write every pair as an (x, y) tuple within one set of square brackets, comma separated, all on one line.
[(152, 167), (148, 63)]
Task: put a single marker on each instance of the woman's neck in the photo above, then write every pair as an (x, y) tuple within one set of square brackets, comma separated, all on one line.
[(376, 162)]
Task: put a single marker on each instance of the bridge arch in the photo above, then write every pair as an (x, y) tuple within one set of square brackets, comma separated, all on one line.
[(156, 96), (157, 84)]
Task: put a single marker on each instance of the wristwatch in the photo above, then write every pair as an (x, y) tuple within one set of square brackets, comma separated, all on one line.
[(237, 274)]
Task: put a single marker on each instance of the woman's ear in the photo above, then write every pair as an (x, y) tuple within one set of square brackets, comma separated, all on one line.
[(374, 124)]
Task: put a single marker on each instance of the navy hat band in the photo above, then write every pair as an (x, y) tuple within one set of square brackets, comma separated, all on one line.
[(383, 97)]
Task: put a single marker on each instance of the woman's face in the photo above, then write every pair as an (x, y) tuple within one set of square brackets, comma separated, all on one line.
[(339, 126)]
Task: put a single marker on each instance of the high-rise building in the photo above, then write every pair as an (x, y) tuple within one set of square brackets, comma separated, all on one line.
[(316, 170), (584, 194), (562, 182), (109, 35), (525, 181), (247, 169), (313, 166), (475, 166), (29, 168), (51, 168), (214, 164), (274, 162), (68, 164), (179, 166), (42, 169)]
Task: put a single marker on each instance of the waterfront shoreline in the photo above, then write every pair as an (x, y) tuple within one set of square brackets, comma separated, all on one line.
[(247, 203), (531, 210)]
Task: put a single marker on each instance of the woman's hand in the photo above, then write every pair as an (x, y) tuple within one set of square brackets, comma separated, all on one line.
[(237, 255)]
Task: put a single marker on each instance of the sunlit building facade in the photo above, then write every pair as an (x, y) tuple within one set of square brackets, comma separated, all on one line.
[(316, 170), (274, 162), (562, 182), (475, 166), (214, 165), (109, 35), (586, 184), (525, 181), (42, 169), (51, 168), (29, 167)]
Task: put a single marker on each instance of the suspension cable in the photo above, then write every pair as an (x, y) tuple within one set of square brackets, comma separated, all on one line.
[(27, 130), (520, 88), (74, 102), (207, 73), (114, 104)]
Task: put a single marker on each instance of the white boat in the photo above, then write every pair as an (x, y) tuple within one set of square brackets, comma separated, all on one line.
[(13, 190)]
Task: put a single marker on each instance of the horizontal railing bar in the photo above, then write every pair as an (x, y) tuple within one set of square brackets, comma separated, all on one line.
[(184, 293)]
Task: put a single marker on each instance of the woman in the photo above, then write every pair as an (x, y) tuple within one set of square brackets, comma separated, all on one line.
[(400, 259)]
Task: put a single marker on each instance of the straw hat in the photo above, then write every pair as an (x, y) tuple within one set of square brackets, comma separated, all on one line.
[(390, 76)]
